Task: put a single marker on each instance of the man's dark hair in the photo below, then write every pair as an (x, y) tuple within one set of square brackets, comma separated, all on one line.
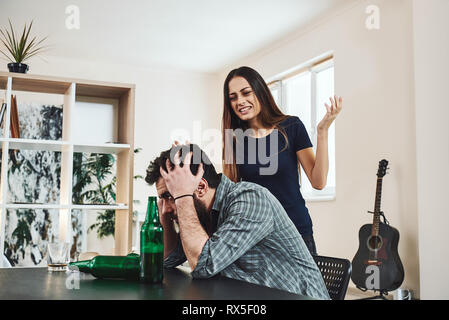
[(210, 175)]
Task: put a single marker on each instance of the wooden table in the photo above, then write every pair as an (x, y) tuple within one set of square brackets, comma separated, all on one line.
[(39, 284)]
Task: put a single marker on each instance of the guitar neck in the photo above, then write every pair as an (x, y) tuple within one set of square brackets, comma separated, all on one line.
[(376, 218)]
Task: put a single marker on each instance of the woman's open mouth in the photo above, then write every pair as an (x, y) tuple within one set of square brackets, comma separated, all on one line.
[(245, 110)]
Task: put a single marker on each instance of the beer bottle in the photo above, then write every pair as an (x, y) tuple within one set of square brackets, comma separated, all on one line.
[(112, 267), (151, 245)]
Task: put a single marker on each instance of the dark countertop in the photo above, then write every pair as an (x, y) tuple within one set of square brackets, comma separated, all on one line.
[(39, 284)]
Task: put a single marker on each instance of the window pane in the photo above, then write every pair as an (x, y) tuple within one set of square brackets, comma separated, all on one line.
[(276, 91), (325, 90), (297, 92), (27, 233), (298, 103), (276, 95), (304, 96)]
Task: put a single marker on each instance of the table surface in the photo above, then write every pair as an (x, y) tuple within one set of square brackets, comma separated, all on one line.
[(38, 283)]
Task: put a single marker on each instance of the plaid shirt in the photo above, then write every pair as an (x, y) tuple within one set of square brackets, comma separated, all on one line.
[(255, 241)]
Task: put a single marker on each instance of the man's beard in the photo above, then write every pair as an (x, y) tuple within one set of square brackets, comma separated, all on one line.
[(203, 215)]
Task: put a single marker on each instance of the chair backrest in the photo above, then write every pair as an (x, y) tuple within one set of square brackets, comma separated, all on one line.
[(336, 273)]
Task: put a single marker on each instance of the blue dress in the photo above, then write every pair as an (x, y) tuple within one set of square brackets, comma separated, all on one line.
[(281, 175)]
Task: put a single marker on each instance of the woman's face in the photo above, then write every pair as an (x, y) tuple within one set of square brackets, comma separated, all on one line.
[(243, 99)]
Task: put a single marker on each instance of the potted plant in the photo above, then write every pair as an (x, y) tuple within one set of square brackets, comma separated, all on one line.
[(19, 49)]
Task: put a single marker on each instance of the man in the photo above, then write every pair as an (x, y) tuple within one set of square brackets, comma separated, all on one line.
[(238, 230)]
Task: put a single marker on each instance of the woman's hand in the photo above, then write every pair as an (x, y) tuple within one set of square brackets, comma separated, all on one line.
[(331, 114), (180, 180)]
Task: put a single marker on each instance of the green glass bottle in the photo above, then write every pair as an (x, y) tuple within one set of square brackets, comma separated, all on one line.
[(110, 267), (151, 245)]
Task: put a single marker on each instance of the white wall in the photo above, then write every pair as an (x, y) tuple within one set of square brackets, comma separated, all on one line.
[(374, 72), (374, 75), (166, 99), (431, 51)]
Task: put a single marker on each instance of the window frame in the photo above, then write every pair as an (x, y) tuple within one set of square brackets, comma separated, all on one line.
[(329, 192)]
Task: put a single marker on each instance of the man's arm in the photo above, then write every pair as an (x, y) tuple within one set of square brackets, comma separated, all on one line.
[(248, 220), (180, 181), (176, 256), (193, 236)]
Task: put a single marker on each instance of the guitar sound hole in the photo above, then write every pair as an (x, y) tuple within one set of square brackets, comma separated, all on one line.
[(374, 243)]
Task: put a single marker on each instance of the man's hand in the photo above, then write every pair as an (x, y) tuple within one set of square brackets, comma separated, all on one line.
[(176, 143), (180, 180), (165, 217)]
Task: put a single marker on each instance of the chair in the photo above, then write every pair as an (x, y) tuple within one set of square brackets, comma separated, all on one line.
[(336, 273)]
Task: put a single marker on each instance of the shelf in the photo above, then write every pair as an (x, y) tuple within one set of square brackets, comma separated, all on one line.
[(73, 206), (123, 95), (31, 144), (3, 81), (101, 148), (105, 90), (51, 145), (36, 84), (58, 85), (99, 207), (35, 206)]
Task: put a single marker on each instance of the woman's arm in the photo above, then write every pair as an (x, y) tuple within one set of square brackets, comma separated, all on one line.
[(317, 167)]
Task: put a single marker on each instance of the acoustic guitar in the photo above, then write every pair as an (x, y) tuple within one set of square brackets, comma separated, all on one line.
[(376, 265)]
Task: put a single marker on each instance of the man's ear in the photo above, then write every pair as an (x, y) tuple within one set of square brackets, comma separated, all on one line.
[(203, 188)]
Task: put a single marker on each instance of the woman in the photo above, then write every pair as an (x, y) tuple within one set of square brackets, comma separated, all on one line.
[(248, 104)]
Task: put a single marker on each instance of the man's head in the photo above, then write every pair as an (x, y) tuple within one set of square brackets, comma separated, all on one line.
[(203, 195)]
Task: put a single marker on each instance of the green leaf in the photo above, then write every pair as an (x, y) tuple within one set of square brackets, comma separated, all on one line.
[(21, 43), (22, 233), (9, 59), (14, 42), (28, 33), (10, 45), (30, 45), (27, 55)]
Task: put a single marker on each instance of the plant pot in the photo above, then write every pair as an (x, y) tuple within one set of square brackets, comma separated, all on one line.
[(18, 67)]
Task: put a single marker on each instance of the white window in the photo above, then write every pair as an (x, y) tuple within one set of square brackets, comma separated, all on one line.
[(303, 94)]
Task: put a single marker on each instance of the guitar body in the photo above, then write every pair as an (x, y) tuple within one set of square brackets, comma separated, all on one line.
[(378, 256)]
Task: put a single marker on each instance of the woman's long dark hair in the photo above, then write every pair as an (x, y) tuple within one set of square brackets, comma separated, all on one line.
[(270, 114)]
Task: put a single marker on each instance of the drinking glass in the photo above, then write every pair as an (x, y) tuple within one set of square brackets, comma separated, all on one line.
[(58, 256)]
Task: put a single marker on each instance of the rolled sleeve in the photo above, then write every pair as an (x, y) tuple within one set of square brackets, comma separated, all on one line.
[(248, 221), (201, 270), (176, 257)]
